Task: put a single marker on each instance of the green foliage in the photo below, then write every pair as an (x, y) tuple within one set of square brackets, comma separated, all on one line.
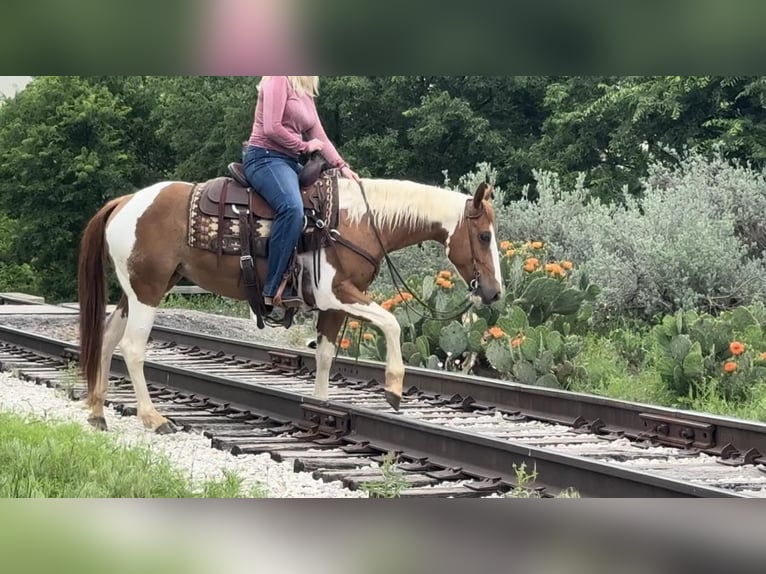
[(36, 462), (204, 120), (533, 336), (692, 348), (14, 276), (392, 482), (67, 144), (208, 303), (692, 241), (612, 128)]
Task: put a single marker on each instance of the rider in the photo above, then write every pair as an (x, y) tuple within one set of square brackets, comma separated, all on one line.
[(284, 113)]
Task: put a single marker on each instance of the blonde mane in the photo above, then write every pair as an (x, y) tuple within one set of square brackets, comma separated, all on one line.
[(399, 202)]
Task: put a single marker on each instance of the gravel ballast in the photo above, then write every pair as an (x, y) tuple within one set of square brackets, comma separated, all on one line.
[(65, 327), (190, 452)]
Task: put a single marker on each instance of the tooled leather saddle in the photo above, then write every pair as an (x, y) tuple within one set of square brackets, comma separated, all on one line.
[(229, 217)]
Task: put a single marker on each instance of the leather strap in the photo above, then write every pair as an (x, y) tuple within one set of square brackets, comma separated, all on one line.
[(250, 278)]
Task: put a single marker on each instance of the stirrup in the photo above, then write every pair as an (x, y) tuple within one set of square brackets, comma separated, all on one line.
[(291, 300)]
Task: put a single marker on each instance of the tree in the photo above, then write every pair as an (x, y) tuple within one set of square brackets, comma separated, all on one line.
[(67, 144)]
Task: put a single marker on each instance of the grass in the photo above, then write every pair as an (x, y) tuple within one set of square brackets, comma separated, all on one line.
[(207, 303), (64, 460), (611, 374), (620, 365)]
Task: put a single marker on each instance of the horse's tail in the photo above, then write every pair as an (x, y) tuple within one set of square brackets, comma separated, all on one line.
[(91, 290)]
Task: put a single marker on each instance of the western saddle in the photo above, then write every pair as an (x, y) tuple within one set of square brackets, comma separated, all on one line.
[(232, 198)]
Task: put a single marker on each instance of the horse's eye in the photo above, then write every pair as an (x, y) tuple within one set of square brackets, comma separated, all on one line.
[(485, 236)]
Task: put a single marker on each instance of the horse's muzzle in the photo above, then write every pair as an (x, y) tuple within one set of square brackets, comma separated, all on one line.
[(487, 295)]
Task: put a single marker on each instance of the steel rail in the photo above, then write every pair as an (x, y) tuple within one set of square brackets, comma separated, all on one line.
[(712, 434), (480, 456)]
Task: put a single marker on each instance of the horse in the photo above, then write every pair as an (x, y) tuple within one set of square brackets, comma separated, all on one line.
[(145, 236)]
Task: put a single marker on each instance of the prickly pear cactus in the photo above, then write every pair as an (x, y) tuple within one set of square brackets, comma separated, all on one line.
[(453, 339)]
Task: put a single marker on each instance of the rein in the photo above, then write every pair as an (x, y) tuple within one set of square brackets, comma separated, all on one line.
[(396, 276)]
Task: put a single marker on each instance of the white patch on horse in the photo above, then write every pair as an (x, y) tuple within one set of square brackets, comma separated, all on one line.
[(496, 261), (400, 202), (324, 354), (326, 299), (121, 230)]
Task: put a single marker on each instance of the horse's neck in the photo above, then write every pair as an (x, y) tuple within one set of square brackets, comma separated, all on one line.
[(406, 213), (402, 237)]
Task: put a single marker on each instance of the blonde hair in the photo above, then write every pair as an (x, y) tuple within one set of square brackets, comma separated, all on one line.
[(301, 84)]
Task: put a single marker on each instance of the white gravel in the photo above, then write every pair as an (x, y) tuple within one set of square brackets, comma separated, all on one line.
[(188, 451)]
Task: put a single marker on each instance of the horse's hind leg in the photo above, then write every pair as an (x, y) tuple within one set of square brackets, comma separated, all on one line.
[(113, 332), (328, 325), (133, 346)]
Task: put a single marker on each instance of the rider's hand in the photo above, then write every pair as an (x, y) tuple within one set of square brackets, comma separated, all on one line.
[(314, 145), (347, 172)]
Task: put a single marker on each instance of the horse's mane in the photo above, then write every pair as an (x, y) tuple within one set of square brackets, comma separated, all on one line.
[(399, 202)]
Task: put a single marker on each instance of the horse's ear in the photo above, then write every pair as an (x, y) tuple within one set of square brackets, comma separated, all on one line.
[(484, 191)]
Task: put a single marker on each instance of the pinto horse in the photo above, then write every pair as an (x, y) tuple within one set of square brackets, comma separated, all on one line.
[(145, 237)]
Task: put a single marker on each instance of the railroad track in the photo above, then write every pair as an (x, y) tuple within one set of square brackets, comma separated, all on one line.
[(454, 436)]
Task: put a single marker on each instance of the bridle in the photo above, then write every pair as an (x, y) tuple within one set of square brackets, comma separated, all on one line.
[(401, 286)]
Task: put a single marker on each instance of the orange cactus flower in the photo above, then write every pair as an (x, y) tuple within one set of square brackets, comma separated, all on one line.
[(440, 281), (496, 332), (407, 296), (354, 325), (510, 252), (736, 348), (387, 304), (531, 264), (368, 337), (568, 265), (763, 356), (506, 244), (730, 366), (448, 284), (345, 343), (516, 342), (555, 269), (537, 245), (398, 298), (445, 274)]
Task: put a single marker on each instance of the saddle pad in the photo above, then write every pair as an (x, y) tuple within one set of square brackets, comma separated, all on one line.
[(204, 228)]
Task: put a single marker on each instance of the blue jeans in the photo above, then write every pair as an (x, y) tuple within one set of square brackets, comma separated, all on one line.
[(275, 176)]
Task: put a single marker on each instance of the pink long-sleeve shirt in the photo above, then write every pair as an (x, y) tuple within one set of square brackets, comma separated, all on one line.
[(283, 118)]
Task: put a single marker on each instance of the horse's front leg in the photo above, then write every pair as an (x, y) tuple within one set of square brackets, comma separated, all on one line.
[(358, 304)]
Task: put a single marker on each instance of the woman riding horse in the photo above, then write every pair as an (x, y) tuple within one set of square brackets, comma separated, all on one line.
[(284, 112)]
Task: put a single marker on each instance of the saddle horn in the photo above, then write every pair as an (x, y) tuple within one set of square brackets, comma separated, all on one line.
[(312, 170)]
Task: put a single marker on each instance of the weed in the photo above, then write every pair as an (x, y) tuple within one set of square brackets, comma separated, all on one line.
[(72, 378), (524, 482), (525, 485), (392, 483)]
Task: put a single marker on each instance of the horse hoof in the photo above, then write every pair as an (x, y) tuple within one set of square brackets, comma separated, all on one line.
[(393, 400), (98, 423), (165, 428)]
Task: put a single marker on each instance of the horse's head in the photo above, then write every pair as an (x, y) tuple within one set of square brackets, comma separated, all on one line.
[(472, 248)]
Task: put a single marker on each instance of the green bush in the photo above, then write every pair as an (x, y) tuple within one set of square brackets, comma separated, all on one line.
[(692, 348), (691, 241)]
